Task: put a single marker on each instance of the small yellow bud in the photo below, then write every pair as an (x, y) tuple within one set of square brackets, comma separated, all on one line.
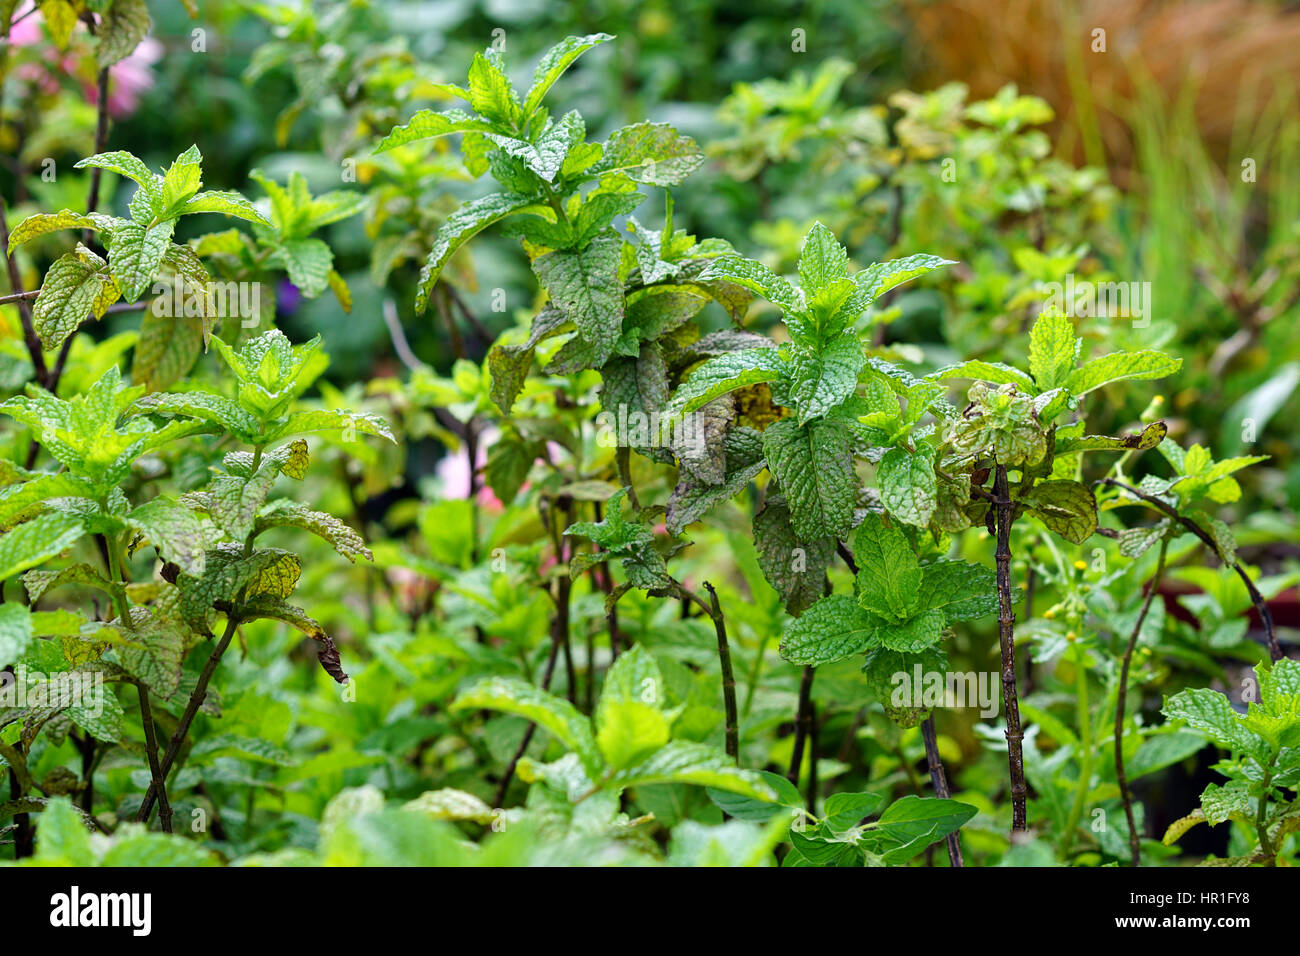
[(1050, 613), (1081, 565)]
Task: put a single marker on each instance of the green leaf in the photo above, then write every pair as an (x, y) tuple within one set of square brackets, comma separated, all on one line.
[(1053, 350), (651, 153), (125, 164), (555, 62), (514, 696), (135, 253), (1210, 713), (908, 487), (1149, 437), (585, 286), (961, 590), (461, 226), (174, 530), (308, 263), (831, 630), (814, 465), (821, 381), (291, 514), (1066, 507), (15, 633), (427, 124), (42, 223), (629, 730), (747, 808), (915, 634), (62, 836), (72, 287), (994, 372), (911, 824), (889, 576), (154, 652), (166, 349), (226, 202), (795, 568), (880, 277), (822, 261), (725, 373), (758, 278), (37, 540), (121, 29), (683, 762), (1120, 366), (491, 94)]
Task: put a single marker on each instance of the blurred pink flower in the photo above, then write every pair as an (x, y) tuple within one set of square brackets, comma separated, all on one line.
[(453, 472), (128, 78)]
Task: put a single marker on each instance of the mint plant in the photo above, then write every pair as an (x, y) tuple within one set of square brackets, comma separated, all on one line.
[(1264, 761), (204, 543)]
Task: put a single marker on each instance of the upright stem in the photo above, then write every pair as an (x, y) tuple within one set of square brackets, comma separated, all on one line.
[(1006, 640), (728, 676), (802, 724), (1261, 606), (1261, 817), (1121, 705), (940, 781), (151, 748), (187, 718)]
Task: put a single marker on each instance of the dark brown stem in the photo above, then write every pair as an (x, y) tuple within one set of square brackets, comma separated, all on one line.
[(1121, 704), (728, 675), (1261, 606), (802, 724), (151, 749), (940, 781), (87, 746), (1006, 640), (24, 836), (187, 718)]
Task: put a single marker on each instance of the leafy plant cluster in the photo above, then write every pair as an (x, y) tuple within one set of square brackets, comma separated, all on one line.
[(698, 512)]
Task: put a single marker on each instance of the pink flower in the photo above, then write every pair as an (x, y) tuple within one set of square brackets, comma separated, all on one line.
[(129, 78)]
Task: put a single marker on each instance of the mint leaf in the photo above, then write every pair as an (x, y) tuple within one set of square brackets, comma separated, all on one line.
[(889, 576), (814, 465), (1120, 366), (585, 286), (908, 488), (1053, 350), (1066, 507)]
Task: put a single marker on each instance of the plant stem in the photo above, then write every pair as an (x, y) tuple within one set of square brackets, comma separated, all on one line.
[(940, 781), (191, 708), (728, 676), (802, 725), (1121, 705), (1006, 640), (1261, 817), (1261, 606), (151, 748)]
